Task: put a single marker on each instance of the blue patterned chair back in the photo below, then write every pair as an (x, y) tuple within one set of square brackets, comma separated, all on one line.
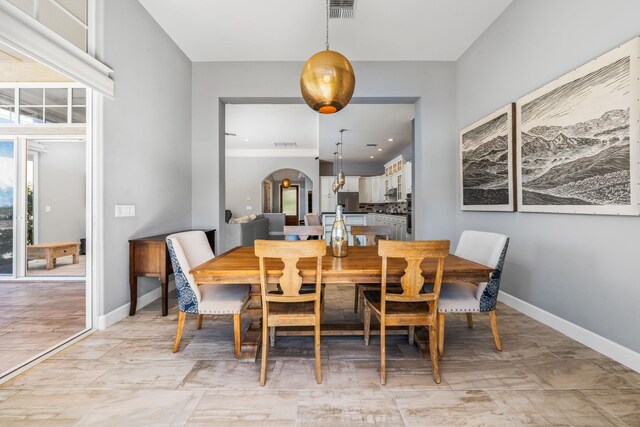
[(489, 297), (186, 250)]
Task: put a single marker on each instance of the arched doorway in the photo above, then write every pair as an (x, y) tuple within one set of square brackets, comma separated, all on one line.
[(293, 200)]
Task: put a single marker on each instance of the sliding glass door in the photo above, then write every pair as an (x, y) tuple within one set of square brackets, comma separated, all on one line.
[(7, 200)]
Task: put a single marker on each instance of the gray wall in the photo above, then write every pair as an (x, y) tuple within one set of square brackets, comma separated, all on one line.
[(432, 83), (244, 176), (578, 267), (353, 168), (62, 187), (147, 138)]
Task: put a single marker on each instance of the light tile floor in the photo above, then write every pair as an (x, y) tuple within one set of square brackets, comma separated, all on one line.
[(36, 315), (128, 376)]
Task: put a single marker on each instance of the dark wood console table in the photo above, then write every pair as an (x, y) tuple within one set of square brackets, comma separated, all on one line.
[(149, 257)]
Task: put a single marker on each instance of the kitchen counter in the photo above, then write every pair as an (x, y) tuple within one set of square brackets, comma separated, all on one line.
[(397, 222)]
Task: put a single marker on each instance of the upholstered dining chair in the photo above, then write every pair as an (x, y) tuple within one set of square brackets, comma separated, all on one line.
[(411, 306), (485, 248), (287, 306), (190, 249), (370, 235)]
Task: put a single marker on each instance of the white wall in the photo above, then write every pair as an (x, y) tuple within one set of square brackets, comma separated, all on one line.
[(578, 267), (432, 83), (147, 139), (244, 176), (62, 187)]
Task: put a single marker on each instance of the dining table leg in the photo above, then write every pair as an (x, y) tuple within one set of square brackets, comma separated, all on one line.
[(253, 336), (421, 338)]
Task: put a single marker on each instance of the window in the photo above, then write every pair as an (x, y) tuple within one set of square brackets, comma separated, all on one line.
[(67, 18), (36, 106), (7, 106)]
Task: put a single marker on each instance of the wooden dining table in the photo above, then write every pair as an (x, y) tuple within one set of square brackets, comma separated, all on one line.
[(362, 265)]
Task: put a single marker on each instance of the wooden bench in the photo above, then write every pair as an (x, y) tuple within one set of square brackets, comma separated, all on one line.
[(51, 251)]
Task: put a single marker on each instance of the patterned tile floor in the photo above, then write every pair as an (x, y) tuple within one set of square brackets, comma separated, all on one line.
[(127, 376)]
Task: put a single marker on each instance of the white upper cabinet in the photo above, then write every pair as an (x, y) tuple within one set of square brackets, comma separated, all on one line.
[(406, 177), (351, 184)]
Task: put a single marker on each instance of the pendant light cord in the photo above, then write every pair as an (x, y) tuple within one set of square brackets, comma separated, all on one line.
[(327, 41)]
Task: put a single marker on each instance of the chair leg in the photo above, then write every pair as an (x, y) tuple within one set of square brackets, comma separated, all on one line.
[(441, 334), (356, 299), (272, 336), (317, 348), (237, 332), (367, 323), (433, 350), (265, 349), (181, 318), (383, 344), (469, 321), (199, 321), (411, 333), (494, 329)]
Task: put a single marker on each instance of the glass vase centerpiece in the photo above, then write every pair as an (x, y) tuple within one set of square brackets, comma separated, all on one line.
[(339, 236)]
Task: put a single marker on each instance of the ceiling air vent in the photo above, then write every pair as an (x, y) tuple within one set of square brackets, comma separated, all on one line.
[(342, 9), (371, 145), (285, 144)]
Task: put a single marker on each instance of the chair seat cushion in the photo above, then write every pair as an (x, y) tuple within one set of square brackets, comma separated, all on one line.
[(457, 297), (223, 299), (291, 308), (393, 308)]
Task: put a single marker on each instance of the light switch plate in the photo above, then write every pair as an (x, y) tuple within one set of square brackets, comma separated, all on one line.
[(125, 211)]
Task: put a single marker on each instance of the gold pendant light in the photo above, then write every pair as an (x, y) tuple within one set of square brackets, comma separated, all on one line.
[(286, 183), (327, 80)]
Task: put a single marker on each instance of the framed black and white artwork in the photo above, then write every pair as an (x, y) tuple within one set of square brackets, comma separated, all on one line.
[(578, 139), (486, 162)]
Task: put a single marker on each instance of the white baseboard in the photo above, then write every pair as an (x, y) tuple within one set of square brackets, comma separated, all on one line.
[(597, 342), (114, 316)]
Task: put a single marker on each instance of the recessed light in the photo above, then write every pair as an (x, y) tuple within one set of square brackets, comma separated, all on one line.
[(246, 140), (340, 156), (371, 157), (390, 139), (379, 149)]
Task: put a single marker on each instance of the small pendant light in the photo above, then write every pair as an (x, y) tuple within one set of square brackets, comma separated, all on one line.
[(341, 177)]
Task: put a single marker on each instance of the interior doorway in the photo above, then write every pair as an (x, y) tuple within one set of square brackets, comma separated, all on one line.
[(289, 204)]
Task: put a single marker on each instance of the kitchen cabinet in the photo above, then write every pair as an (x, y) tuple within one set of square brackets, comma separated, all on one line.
[(407, 179), (364, 189), (398, 224), (327, 196), (351, 184), (377, 189)]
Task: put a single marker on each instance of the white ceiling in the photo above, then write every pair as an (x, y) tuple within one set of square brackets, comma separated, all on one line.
[(257, 127), (292, 30)]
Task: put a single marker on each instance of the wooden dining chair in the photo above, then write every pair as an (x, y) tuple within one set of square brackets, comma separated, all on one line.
[(187, 250), (371, 235), (287, 306), (312, 219), (485, 248), (303, 232), (411, 307)]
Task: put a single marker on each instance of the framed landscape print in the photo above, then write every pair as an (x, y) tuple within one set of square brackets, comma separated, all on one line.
[(577, 144), (486, 162)]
